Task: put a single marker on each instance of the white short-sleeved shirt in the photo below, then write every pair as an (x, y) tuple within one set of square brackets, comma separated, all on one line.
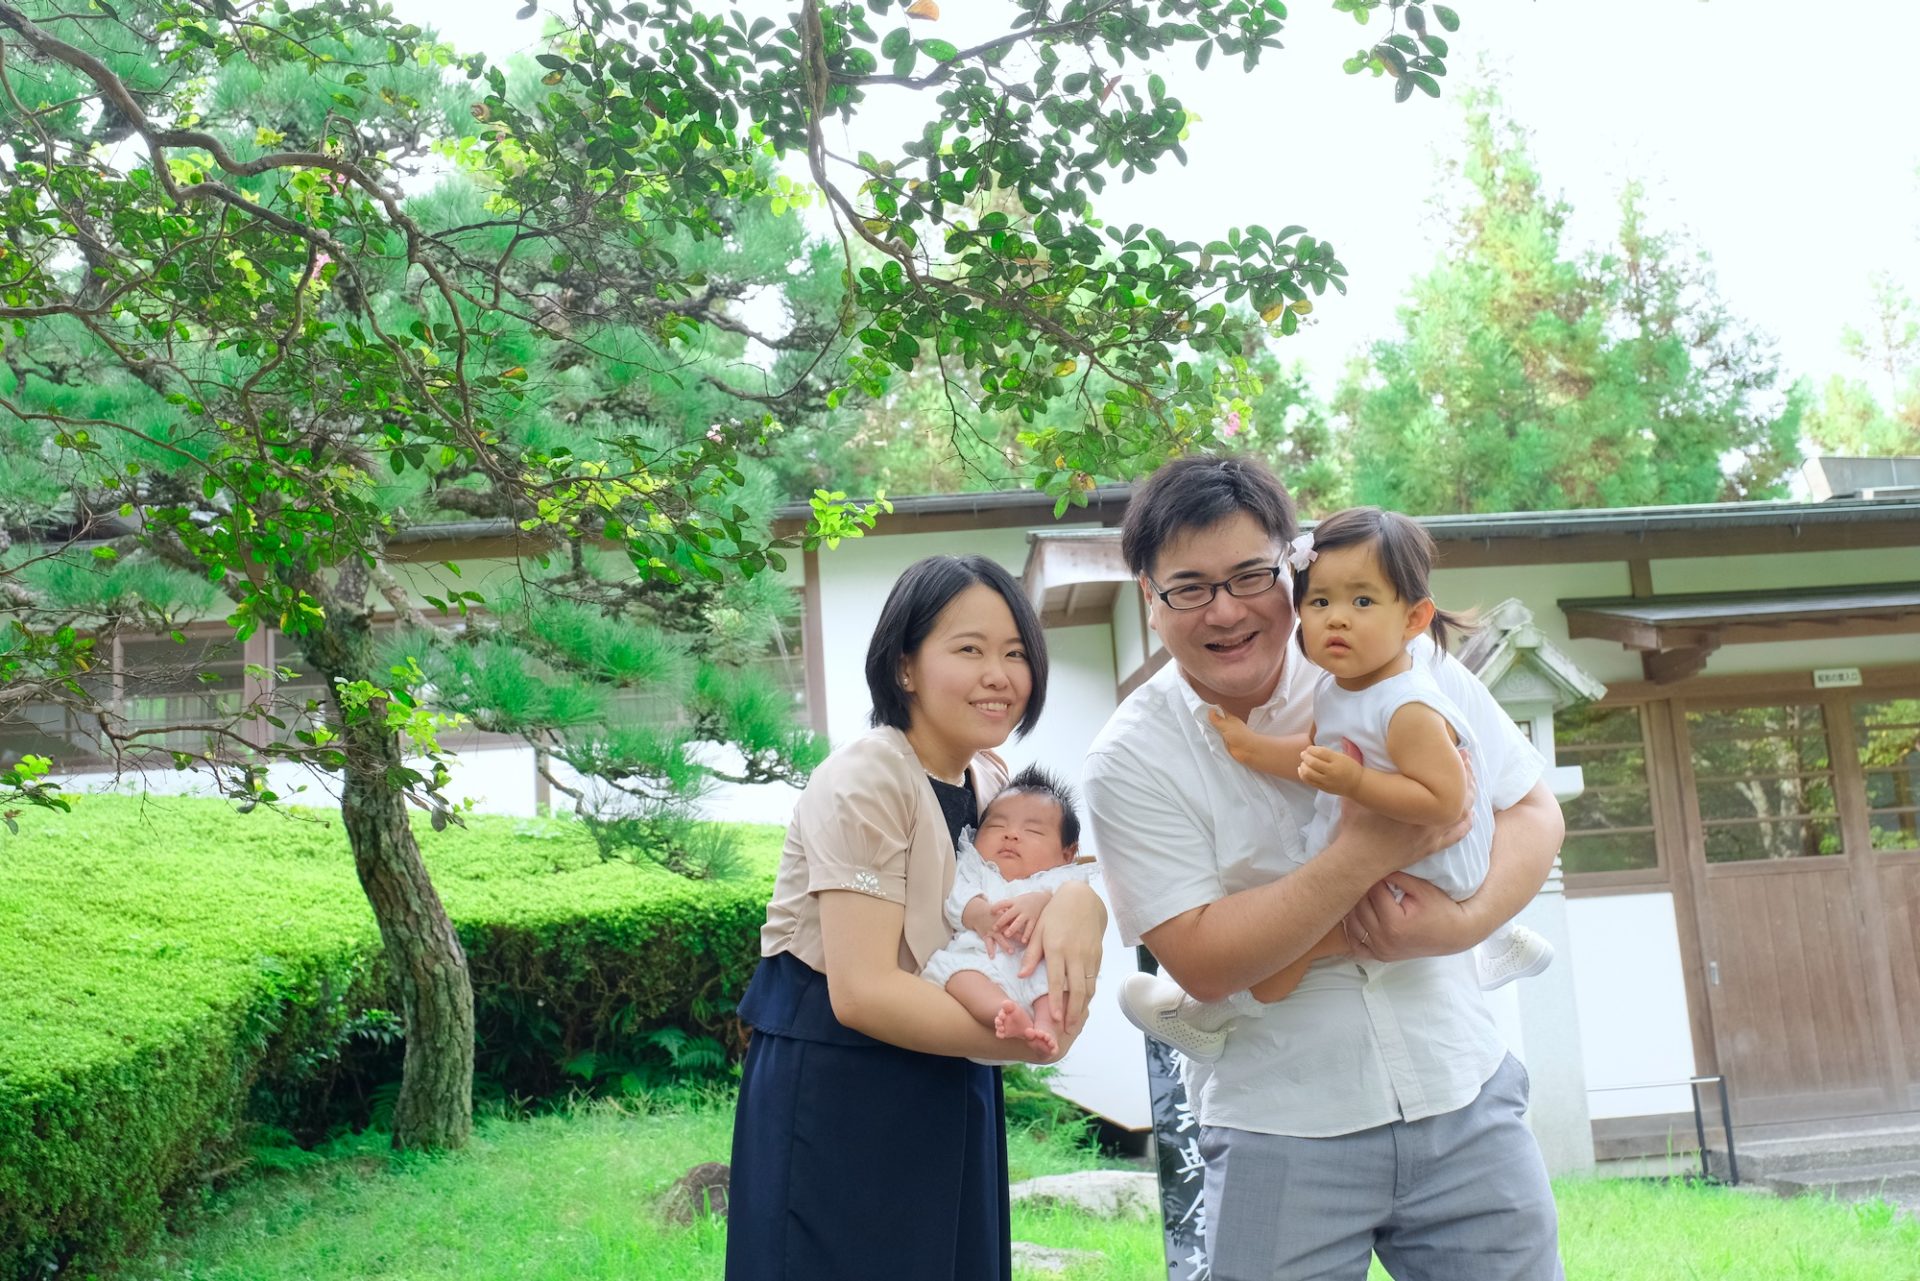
[(1178, 823), (1364, 717)]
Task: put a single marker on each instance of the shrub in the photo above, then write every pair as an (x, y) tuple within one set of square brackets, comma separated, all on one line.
[(170, 971)]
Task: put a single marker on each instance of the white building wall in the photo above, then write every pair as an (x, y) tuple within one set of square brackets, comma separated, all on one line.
[(1539, 587), (1129, 634), (1788, 570), (855, 578), (1632, 998)]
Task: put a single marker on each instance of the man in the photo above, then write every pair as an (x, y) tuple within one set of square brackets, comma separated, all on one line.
[(1374, 1109)]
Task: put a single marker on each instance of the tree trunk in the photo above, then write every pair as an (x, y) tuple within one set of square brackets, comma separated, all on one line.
[(424, 956)]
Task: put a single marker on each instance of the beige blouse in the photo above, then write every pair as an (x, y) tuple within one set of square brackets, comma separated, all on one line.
[(869, 822)]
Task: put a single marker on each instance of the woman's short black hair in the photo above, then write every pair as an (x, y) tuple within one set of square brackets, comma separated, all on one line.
[(1198, 492), (925, 589)]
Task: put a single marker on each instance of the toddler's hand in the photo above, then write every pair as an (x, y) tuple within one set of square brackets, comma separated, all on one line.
[(1234, 732), (1326, 770)]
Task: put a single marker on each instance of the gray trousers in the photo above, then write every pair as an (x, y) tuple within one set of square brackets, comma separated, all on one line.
[(1457, 1197)]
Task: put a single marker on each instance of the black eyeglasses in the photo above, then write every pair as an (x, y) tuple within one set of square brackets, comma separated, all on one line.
[(1199, 595)]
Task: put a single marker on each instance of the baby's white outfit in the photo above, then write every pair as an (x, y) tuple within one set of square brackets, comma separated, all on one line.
[(975, 877), (1362, 716)]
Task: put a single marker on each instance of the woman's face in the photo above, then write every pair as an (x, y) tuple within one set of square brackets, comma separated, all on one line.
[(968, 682)]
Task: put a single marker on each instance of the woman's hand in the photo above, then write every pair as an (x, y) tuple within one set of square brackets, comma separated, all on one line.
[(1068, 942), (1423, 921)]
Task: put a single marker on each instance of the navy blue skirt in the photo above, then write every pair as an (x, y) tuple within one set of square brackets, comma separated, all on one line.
[(854, 1159)]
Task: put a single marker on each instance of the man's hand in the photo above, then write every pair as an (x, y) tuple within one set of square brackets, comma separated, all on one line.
[(1325, 770), (1014, 918), (1423, 921)]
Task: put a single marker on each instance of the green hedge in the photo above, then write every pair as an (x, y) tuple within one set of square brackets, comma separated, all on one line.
[(170, 970)]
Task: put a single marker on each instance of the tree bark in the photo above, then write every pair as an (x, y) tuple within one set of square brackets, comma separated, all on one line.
[(424, 956)]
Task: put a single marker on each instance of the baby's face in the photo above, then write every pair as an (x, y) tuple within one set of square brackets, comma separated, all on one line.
[(1020, 835)]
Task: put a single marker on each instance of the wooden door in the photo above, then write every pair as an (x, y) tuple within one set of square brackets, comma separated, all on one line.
[(1885, 731), (1793, 937)]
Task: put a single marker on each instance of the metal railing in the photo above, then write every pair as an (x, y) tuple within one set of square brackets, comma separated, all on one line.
[(1693, 1083)]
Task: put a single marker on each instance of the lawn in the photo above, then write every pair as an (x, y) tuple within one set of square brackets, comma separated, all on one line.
[(571, 1197)]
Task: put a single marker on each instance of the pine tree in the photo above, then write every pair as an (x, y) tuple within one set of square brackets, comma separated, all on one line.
[(1851, 418), (1529, 377), (288, 286)]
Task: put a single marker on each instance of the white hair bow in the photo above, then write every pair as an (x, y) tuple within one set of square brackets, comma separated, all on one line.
[(1302, 554)]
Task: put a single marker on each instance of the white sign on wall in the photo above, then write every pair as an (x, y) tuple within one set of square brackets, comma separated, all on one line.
[(1835, 677)]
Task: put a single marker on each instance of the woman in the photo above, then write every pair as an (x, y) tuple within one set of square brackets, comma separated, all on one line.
[(866, 1143)]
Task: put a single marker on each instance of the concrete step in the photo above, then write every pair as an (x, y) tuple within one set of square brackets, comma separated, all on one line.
[(1765, 1158), (1896, 1181)]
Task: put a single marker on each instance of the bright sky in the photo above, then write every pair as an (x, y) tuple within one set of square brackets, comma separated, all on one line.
[(1779, 133)]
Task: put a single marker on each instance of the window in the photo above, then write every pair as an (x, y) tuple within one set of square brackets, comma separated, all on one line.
[(1764, 780), (57, 731), (198, 683), (1610, 824), (1887, 733)]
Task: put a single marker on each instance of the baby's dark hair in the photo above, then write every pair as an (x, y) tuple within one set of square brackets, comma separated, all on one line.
[(1405, 552), (1034, 781)]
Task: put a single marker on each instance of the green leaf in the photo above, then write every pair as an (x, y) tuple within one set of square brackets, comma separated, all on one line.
[(940, 50), (898, 41), (1448, 18)]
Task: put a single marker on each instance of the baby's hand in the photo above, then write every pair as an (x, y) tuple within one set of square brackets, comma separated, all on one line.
[(1240, 739), (1326, 770), (1014, 918)]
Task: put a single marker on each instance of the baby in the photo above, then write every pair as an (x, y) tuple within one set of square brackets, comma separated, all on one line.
[(1384, 735), (1003, 878)]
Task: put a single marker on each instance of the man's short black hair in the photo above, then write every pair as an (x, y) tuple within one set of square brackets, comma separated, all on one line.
[(912, 607), (1034, 781), (1198, 492)]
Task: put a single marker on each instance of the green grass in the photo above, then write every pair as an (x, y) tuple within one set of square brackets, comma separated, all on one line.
[(567, 1197), (571, 1198)]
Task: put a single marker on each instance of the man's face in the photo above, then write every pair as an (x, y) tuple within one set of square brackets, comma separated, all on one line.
[(1231, 650)]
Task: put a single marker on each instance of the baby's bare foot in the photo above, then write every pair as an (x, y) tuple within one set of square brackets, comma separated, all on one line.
[(1012, 1023), (1043, 1040)]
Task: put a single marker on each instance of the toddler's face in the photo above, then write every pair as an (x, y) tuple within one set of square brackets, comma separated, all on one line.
[(1021, 835), (1353, 621)]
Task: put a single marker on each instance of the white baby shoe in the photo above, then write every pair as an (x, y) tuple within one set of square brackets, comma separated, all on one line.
[(1152, 1004), (1526, 954)]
